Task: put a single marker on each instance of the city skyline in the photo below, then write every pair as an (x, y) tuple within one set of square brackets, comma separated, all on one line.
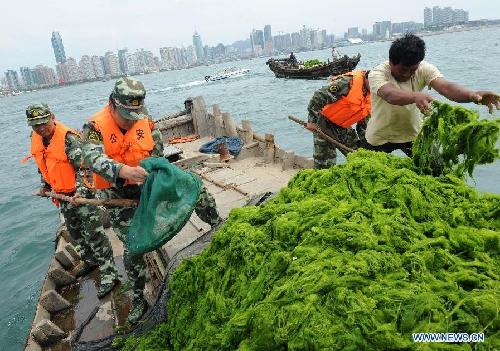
[(90, 28)]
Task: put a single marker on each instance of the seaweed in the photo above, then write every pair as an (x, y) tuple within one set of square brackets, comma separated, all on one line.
[(454, 140), (355, 257)]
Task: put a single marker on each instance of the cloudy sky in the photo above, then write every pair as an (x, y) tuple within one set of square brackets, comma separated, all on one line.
[(95, 26)]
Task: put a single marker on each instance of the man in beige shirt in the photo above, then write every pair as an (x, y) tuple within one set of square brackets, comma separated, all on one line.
[(397, 100)]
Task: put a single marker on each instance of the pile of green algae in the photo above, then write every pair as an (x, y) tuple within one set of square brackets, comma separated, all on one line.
[(356, 257)]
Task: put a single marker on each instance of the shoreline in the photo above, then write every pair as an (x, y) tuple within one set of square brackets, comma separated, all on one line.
[(422, 34)]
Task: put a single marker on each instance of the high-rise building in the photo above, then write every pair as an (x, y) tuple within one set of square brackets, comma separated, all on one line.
[(427, 17), (296, 40), (305, 37), (111, 64), (29, 77), (382, 30), (86, 69), (257, 40), (437, 16), (447, 16), (198, 47), (353, 32), (58, 47), (122, 60), (460, 16), (267, 33), (97, 66), (268, 39), (46, 75), (13, 81)]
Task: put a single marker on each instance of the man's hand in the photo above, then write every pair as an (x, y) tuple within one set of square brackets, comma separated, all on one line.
[(311, 126), (423, 101), (487, 98), (42, 191), (135, 175), (72, 199)]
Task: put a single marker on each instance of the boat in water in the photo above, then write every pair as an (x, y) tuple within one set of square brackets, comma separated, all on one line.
[(286, 68), (69, 315), (227, 73)]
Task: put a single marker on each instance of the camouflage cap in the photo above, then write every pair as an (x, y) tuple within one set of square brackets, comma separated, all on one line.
[(38, 114), (128, 95)]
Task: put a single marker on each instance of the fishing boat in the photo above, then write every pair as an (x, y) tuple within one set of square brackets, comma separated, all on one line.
[(285, 68), (69, 316), (227, 73)]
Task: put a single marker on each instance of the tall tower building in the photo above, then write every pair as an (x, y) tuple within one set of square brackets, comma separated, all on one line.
[(198, 47), (427, 17), (58, 47), (122, 59)]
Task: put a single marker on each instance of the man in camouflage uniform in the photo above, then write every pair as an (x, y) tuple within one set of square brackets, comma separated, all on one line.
[(325, 154), (126, 108), (82, 221)]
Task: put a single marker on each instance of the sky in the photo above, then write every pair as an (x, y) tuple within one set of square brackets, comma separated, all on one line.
[(95, 26)]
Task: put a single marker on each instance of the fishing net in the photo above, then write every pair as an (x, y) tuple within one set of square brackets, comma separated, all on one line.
[(168, 198), (454, 140)]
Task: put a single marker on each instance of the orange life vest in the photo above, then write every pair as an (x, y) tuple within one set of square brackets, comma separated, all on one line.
[(129, 148), (52, 160), (353, 107)]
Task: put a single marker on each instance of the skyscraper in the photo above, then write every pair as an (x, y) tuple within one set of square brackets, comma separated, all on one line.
[(427, 17), (267, 33), (122, 59), (198, 47), (58, 47)]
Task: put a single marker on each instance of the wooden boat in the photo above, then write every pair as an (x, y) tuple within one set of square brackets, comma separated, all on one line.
[(70, 316), (282, 68)]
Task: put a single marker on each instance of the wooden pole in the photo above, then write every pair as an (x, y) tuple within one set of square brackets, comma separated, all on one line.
[(94, 202), (218, 122), (229, 124), (322, 135), (269, 148), (219, 184), (247, 131)]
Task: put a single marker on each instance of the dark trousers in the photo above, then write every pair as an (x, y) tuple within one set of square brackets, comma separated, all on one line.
[(390, 147)]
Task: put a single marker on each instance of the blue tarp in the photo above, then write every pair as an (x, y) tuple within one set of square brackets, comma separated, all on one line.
[(234, 144)]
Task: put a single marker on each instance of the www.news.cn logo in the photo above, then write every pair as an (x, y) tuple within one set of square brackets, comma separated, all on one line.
[(448, 337)]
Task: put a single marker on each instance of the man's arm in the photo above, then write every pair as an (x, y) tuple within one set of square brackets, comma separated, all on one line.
[(399, 97), (458, 93), (324, 96), (111, 170), (94, 156), (158, 143)]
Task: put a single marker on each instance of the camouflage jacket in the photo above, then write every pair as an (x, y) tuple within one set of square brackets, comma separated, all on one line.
[(96, 159), (327, 95)]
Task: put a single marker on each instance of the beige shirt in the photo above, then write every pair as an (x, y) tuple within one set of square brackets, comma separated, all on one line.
[(392, 123)]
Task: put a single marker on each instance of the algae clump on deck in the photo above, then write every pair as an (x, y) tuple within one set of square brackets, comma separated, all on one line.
[(356, 257)]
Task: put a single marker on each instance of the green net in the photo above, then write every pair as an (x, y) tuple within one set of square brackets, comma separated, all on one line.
[(167, 200), (454, 140)]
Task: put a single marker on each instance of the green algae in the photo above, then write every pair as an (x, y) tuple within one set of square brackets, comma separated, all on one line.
[(454, 140), (356, 257)]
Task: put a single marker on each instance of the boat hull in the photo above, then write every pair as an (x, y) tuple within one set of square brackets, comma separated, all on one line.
[(282, 69)]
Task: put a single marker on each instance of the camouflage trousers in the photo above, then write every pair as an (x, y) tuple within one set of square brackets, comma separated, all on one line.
[(325, 154), (84, 225), (122, 216)]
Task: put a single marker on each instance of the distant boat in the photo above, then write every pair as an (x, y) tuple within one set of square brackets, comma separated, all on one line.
[(227, 73), (284, 68)]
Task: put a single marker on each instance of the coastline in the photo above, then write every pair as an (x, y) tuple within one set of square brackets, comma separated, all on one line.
[(246, 58)]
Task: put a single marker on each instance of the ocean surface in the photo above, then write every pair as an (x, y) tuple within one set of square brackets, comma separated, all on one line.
[(28, 223)]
